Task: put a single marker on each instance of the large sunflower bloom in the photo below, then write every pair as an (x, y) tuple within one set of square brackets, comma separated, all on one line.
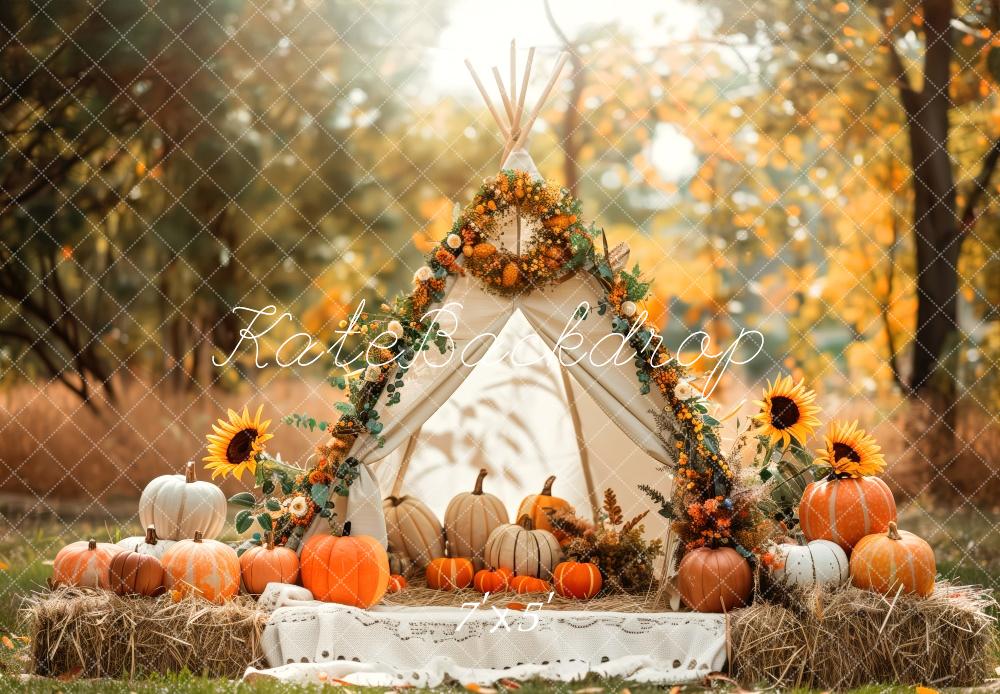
[(236, 443), (787, 412), (851, 451)]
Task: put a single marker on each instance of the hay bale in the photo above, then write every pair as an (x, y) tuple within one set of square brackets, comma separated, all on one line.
[(99, 634), (846, 637)]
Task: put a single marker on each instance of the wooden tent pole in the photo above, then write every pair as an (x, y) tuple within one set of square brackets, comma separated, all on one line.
[(489, 102), (560, 64), (508, 107), (513, 84), (581, 443), (519, 109), (411, 445)]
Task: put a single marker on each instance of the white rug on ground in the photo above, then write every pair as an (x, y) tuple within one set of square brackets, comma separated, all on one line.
[(308, 641)]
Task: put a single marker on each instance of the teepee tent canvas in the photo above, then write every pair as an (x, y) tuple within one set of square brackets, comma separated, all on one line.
[(593, 427)]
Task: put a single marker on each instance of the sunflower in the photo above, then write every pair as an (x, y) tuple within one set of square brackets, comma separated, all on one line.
[(851, 451), (236, 443), (787, 412)]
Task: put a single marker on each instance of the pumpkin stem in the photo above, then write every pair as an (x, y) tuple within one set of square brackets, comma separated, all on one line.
[(198, 536), (526, 522), (478, 489), (394, 500), (91, 543), (547, 489), (151, 535), (347, 529), (269, 540), (189, 472), (893, 533)]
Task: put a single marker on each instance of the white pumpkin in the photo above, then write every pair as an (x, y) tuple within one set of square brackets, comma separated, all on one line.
[(469, 520), (523, 550), (147, 544), (413, 529), (819, 563), (179, 505)]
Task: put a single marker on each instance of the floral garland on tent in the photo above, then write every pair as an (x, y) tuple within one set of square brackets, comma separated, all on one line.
[(711, 507)]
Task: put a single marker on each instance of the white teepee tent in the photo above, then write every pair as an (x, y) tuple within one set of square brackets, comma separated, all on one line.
[(575, 411)]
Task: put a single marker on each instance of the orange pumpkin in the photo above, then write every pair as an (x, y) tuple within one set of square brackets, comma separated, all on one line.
[(886, 562), (134, 573), (714, 580), (534, 507), (346, 570), (84, 564), (452, 573), (268, 564), (845, 510), (492, 580), (396, 583), (530, 584), (581, 580), (208, 568)]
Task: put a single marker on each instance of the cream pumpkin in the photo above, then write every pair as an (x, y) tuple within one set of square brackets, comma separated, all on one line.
[(148, 544), (469, 520), (819, 563), (84, 564), (413, 530), (203, 567), (523, 550), (180, 505)]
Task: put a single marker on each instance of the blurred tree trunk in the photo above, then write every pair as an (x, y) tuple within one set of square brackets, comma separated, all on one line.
[(939, 228)]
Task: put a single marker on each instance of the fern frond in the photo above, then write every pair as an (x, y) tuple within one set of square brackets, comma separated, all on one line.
[(612, 508)]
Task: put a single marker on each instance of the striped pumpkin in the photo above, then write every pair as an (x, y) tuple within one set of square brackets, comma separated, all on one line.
[(202, 567), (413, 529), (886, 562), (347, 570), (469, 520), (449, 573), (819, 563), (523, 550), (581, 580), (534, 506), (845, 510)]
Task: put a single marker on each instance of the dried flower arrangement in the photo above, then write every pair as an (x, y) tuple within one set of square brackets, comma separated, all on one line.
[(627, 561)]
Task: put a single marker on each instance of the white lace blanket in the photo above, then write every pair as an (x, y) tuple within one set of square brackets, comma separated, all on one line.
[(307, 641)]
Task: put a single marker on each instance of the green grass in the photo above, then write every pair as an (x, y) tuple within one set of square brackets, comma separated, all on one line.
[(966, 543)]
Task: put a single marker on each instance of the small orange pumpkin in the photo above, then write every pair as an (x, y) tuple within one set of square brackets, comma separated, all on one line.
[(452, 573), (886, 562), (530, 584), (208, 568), (492, 580), (347, 570), (581, 580), (714, 580), (134, 573), (534, 507), (396, 583), (844, 510), (84, 564), (268, 564)]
